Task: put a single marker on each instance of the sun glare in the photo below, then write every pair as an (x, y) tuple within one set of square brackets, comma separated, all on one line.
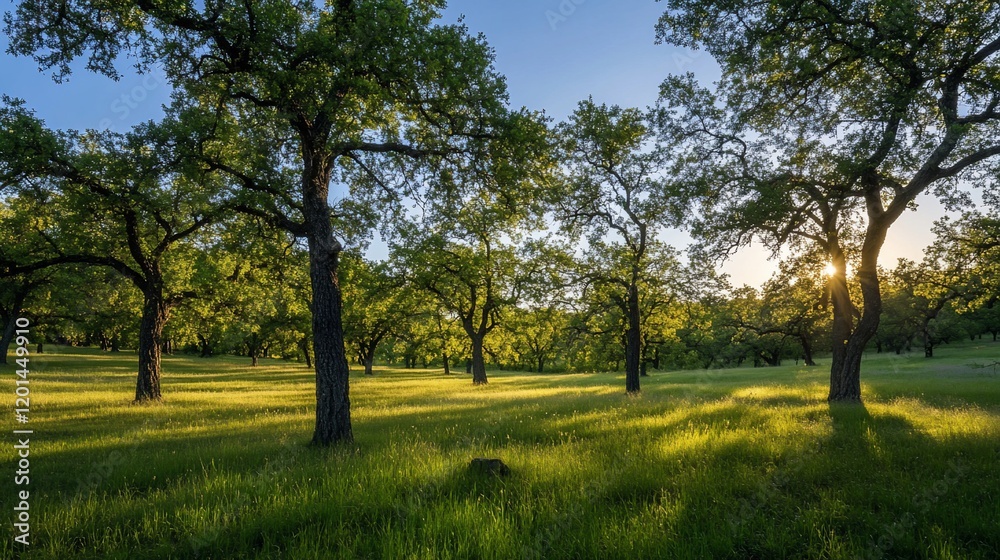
[(829, 269)]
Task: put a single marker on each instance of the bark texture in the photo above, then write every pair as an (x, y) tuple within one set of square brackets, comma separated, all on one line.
[(333, 405), (155, 312)]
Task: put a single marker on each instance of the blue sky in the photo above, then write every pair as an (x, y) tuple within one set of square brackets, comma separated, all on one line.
[(553, 52), (557, 52)]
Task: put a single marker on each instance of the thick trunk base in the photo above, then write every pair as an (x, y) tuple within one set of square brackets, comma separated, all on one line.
[(845, 383), (478, 363), (154, 317)]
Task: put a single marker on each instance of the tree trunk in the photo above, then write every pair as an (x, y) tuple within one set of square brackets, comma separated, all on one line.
[(253, 348), (10, 320), (541, 364), (304, 345), (447, 367), (773, 359), (205, 347), (632, 341), (116, 343), (468, 366), (478, 363), (333, 405), (8, 335), (154, 315), (845, 373), (928, 339), (366, 355), (843, 386), (807, 351)]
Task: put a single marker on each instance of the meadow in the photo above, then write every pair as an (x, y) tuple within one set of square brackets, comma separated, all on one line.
[(741, 463)]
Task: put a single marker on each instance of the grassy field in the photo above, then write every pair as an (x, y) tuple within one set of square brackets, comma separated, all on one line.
[(747, 463)]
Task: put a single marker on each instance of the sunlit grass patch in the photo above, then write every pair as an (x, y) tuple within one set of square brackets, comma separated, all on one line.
[(728, 464)]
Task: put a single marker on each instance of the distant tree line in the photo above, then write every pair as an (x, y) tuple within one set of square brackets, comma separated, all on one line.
[(257, 305)]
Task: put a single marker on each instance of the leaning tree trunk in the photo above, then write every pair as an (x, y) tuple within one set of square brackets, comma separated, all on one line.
[(632, 342), (154, 315), (333, 405), (807, 351), (478, 361)]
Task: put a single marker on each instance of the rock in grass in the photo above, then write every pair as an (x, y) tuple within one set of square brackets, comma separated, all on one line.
[(496, 467)]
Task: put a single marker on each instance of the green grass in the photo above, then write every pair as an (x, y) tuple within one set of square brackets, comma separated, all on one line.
[(727, 464)]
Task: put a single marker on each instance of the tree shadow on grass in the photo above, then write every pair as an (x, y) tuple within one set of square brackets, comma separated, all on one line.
[(830, 490), (845, 496)]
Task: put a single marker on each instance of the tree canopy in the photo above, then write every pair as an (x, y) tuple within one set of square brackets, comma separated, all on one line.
[(829, 121)]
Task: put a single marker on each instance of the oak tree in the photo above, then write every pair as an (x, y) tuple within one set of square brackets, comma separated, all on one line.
[(830, 119)]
